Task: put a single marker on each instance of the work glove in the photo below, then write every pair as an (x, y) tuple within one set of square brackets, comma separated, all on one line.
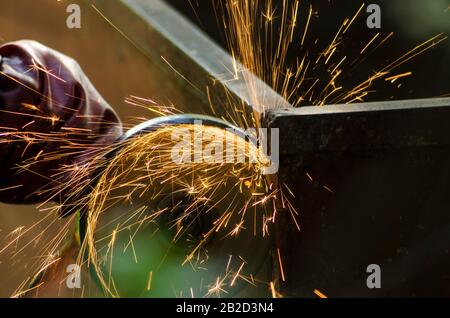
[(52, 120)]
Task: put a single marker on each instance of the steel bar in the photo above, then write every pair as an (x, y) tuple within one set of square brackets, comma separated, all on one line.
[(363, 127), (168, 38)]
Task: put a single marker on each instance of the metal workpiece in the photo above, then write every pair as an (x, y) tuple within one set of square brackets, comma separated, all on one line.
[(201, 67), (362, 127), (387, 207), (371, 182)]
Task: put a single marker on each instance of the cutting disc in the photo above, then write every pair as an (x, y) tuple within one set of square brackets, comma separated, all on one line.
[(160, 228)]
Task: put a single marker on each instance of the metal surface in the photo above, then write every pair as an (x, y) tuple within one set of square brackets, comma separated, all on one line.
[(363, 127), (165, 36), (185, 119), (387, 207), (372, 182)]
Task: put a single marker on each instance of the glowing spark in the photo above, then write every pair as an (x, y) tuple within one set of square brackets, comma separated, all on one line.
[(149, 281), (370, 42), (275, 293), (280, 263), (217, 288), (12, 187), (307, 24), (392, 79), (328, 189), (354, 17), (319, 294), (237, 275)]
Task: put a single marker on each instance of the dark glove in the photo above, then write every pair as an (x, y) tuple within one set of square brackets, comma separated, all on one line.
[(50, 116)]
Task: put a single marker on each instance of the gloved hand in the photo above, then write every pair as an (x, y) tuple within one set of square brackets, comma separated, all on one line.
[(47, 105)]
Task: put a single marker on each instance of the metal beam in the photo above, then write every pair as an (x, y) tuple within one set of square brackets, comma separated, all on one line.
[(167, 37), (363, 127)]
